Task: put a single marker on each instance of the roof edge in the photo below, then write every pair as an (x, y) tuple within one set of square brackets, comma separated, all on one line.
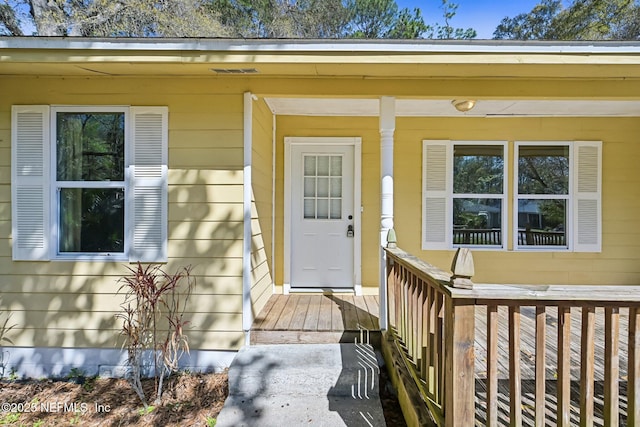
[(419, 46)]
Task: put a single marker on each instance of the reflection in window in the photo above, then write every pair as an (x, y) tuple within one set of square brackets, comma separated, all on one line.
[(478, 194), (543, 194), (91, 220)]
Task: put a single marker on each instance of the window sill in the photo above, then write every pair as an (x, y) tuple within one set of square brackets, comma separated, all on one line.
[(91, 257)]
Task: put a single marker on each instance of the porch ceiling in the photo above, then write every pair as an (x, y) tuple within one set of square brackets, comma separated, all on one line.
[(444, 108)]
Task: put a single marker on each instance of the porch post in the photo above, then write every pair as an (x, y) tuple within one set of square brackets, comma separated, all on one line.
[(387, 129), (247, 317)]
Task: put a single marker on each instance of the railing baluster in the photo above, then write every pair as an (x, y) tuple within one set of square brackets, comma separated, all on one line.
[(440, 359), (431, 342), (587, 366), (515, 383), (611, 365), (633, 384), (459, 357), (415, 319), (564, 366), (422, 299), (492, 365), (541, 359)]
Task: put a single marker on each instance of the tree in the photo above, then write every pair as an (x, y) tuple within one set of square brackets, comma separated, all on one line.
[(446, 31), (106, 18), (224, 18), (581, 20), (281, 18)]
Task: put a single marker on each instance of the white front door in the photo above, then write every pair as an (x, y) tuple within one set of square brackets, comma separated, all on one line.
[(323, 219)]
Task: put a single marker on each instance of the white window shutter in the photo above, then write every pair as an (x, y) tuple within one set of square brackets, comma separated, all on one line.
[(30, 182), (148, 164), (587, 196), (436, 187)]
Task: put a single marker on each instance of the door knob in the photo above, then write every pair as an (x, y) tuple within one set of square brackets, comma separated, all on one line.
[(350, 231)]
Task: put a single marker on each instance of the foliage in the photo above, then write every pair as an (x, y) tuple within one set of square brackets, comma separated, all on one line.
[(446, 31), (153, 321), (580, 20), (225, 18), (104, 18)]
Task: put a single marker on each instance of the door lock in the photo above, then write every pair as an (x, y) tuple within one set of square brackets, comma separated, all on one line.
[(350, 231)]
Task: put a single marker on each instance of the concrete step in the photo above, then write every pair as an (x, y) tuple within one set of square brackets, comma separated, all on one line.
[(312, 369), (290, 411), (303, 384)]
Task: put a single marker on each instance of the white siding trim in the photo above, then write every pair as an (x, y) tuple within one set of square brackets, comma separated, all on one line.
[(30, 153)]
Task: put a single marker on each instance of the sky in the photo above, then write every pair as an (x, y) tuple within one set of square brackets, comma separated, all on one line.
[(481, 15)]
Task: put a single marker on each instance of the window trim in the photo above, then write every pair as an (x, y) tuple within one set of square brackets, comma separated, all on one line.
[(54, 249), (569, 197)]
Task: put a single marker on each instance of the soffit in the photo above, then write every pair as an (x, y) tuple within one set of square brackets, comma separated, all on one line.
[(444, 108)]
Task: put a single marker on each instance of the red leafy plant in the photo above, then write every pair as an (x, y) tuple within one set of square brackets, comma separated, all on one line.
[(153, 322)]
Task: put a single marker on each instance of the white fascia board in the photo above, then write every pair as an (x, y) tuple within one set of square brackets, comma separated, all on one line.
[(323, 46)]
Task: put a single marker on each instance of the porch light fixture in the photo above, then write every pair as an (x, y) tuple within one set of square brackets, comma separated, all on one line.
[(463, 105)]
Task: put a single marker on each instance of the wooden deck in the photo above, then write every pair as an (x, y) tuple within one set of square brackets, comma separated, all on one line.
[(299, 318), (340, 318)]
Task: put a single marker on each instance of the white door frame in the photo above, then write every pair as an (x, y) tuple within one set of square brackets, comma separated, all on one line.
[(356, 142)]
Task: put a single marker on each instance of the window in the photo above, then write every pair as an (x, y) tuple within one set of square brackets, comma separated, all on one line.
[(478, 194), (542, 195), (556, 203), (89, 183), (89, 187)]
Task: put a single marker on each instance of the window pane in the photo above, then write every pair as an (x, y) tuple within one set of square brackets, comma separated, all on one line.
[(90, 146), (543, 169), (91, 220), (542, 222), (336, 165), (336, 209), (323, 209), (336, 187), (309, 208), (323, 165), (310, 165), (309, 187), (478, 169), (323, 187), (477, 222)]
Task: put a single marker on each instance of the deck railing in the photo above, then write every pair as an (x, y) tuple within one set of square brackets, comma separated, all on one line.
[(434, 326)]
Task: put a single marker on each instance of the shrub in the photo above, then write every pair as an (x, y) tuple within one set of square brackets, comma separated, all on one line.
[(153, 321)]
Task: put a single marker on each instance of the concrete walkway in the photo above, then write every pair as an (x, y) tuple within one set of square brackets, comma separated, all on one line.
[(303, 385)]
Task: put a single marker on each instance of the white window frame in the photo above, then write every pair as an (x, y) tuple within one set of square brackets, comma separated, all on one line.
[(57, 185), (569, 197), (447, 193), (503, 196)]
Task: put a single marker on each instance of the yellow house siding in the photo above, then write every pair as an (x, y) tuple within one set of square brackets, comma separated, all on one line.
[(365, 128), (72, 304), (261, 228)]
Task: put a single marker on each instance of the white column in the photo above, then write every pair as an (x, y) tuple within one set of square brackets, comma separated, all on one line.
[(247, 316), (387, 129)]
